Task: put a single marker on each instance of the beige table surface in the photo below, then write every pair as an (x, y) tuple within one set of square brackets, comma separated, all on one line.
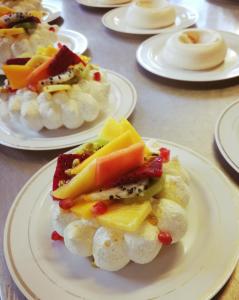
[(182, 113)]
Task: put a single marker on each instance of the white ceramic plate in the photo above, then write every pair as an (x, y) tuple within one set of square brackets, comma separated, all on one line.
[(149, 56), (50, 12), (194, 269), (227, 135), (76, 41), (116, 20), (122, 101), (95, 3)]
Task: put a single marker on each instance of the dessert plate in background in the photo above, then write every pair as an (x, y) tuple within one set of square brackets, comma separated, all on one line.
[(227, 135), (122, 101), (116, 20), (95, 3), (50, 12), (149, 56), (192, 269), (76, 41)]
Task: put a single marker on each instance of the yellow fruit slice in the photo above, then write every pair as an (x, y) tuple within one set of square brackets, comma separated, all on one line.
[(17, 75), (11, 31), (5, 10), (36, 61), (123, 141), (111, 130), (56, 88), (83, 182), (47, 51), (83, 209), (125, 217), (36, 13)]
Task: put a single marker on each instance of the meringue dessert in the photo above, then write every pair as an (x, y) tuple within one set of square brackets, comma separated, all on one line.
[(23, 32), (53, 88), (195, 49), (150, 14), (117, 199), (23, 5)]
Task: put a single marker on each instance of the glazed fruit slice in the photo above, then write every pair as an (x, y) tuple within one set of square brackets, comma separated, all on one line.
[(120, 162), (150, 169), (123, 141), (17, 75), (125, 217)]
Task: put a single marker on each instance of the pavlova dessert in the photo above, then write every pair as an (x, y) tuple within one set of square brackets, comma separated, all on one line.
[(150, 14), (117, 199), (23, 32), (53, 88), (195, 49), (22, 5)]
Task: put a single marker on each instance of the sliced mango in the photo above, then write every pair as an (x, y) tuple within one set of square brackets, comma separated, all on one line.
[(11, 31), (36, 61), (83, 209), (125, 217), (56, 88), (123, 141), (17, 75), (47, 51), (5, 10), (36, 13), (111, 130), (83, 182)]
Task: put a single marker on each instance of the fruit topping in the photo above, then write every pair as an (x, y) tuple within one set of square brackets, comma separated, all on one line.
[(165, 154), (55, 236), (150, 169), (165, 238), (99, 208), (17, 75), (66, 203), (60, 78), (62, 60), (65, 162)]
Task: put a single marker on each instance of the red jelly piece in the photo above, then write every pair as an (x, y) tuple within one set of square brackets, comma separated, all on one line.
[(165, 238), (17, 61), (62, 60), (165, 154), (99, 208), (66, 203), (55, 236), (52, 29), (97, 76), (150, 169)]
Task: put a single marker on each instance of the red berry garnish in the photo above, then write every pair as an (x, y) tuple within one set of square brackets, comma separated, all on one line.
[(99, 208), (97, 76), (165, 154), (52, 29), (59, 45), (66, 203), (165, 238), (55, 236)]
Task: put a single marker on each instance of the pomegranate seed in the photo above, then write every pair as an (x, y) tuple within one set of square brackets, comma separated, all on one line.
[(97, 76), (99, 208), (59, 45), (55, 236), (165, 238), (52, 29), (66, 203), (165, 154)]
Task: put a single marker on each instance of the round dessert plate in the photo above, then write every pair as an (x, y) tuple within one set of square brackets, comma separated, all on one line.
[(149, 56), (116, 20), (122, 101), (227, 135), (191, 269), (76, 41), (95, 3), (50, 12)]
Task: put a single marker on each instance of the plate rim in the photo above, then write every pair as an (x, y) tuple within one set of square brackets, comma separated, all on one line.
[(219, 144), (67, 32), (82, 2), (94, 131), (220, 282), (192, 80), (149, 31), (50, 8)]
